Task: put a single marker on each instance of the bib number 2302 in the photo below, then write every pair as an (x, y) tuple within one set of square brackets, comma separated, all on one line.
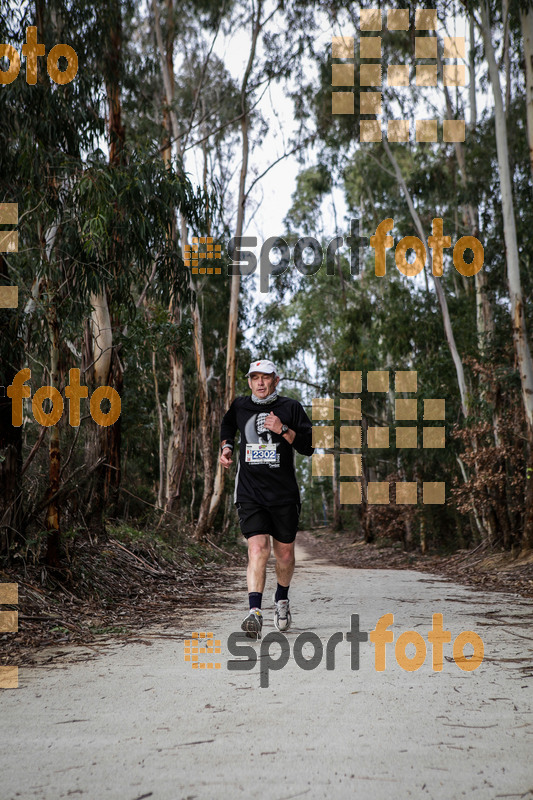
[(261, 453)]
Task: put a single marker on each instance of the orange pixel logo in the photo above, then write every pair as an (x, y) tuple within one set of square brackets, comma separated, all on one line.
[(202, 643), (9, 677), (9, 243), (193, 254), (398, 75), (350, 465)]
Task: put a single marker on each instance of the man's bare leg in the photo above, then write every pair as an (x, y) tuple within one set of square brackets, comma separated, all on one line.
[(284, 571), (258, 555), (285, 561)]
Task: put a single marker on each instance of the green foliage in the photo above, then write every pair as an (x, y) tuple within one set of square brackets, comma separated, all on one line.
[(311, 186)]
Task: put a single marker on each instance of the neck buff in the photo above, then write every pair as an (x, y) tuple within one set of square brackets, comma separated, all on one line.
[(262, 401)]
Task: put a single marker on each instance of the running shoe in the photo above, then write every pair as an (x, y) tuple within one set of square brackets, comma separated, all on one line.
[(253, 623), (282, 614)]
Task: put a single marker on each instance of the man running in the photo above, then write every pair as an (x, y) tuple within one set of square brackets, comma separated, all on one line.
[(266, 492)]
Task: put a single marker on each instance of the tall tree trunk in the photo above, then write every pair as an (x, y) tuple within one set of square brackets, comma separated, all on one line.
[(506, 61), (203, 394), (472, 73), (177, 413), (98, 346), (520, 337), (233, 317), (177, 441), (106, 441), (111, 436), (160, 426), (526, 22), (337, 520), (11, 503), (53, 538)]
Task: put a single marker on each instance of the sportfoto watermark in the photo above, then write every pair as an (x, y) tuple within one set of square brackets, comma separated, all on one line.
[(379, 637), (244, 262), (73, 390)]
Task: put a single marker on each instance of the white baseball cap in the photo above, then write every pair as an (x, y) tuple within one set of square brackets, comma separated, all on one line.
[(262, 366)]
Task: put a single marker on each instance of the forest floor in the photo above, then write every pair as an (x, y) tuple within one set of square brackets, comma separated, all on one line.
[(499, 572), (111, 588)]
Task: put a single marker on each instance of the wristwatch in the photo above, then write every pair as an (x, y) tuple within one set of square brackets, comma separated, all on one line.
[(284, 429)]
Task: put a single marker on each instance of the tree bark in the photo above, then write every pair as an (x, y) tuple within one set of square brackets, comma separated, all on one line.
[(53, 538), (177, 442), (161, 428), (337, 520), (472, 73), (11, 504), (177, 414)]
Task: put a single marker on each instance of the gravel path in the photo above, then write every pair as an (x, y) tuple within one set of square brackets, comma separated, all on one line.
[(136, 721)]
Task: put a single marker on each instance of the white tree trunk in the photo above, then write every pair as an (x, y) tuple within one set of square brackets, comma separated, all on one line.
[(472, 73), (176, 410), (161, 490), (177, 441), (102, 337)]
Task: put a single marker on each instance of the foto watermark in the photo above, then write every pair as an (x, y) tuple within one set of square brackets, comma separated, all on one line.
[(17, 391), (244, 262), (32, 50)]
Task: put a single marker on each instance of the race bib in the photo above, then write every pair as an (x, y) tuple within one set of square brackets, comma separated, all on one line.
[(261, 453)]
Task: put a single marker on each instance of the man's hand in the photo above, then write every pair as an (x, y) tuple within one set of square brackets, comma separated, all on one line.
[(273, 423), (225, 458)]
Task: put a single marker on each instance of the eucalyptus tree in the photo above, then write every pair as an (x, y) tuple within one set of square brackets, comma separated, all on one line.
[(87, 227), (48, 127)]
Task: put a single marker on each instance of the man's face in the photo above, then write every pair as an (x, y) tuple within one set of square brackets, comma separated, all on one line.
[(262, 384)]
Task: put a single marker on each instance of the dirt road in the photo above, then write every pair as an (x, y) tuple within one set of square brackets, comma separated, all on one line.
[(137, 721)]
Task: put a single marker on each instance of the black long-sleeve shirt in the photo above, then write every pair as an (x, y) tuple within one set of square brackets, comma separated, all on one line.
[(273, 483)]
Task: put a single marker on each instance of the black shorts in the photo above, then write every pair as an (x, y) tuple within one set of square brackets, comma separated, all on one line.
[(281, 522)]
